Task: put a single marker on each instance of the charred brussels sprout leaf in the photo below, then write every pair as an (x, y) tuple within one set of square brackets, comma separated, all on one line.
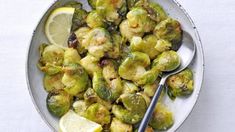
[(58, 102), (162, 118), (181, 84), (98, 113)]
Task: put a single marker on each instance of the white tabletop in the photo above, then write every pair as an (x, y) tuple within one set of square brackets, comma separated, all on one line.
[(215, 109)]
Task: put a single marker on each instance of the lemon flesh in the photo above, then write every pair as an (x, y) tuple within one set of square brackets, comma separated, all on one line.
[(72, 122), (58, 25)]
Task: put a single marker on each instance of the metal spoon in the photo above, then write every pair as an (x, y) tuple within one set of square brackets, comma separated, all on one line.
[(186, 52)]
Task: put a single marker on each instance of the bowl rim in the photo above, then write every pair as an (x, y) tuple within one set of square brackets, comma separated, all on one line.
[(196, 32)]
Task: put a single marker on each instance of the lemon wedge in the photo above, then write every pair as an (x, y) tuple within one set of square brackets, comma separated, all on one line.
[(58, 25), (72, 122)]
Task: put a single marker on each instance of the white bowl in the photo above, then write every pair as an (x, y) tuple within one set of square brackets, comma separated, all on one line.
[(181, 107)]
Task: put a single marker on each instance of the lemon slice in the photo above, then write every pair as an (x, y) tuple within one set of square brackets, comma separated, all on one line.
[(72, 122), (58, 25)]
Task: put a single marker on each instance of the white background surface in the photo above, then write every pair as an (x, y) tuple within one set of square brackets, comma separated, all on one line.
[(214, 111)]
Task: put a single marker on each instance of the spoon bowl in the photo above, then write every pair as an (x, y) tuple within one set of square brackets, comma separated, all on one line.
[(186, 52)]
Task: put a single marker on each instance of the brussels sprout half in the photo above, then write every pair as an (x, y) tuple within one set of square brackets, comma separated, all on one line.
[(119, 126), (139, 20), (58, 102), (167, 61), (162, 118), (133, 109), (97, 42), (98, 113), (94, 20), (170, 30), (181, 84), (53, 82)]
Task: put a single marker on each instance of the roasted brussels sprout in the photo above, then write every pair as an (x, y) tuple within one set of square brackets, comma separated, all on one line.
[(52, 54), (119, 126), (109, 8), (181, 84), (170, 30), (128, 32), (79, 14), (58, 102), (139, 19), (50, 69), (90, 64), (150, 89), (147, 77), (129, 87), (155, 11), (79, 18), (167, 61), (53, 82), (51, 59), (94, 20), (133, 109), (80, 107), (80, 35), (162, 118), (92, 3), (133, 68), (98, 113), (98, 42), (75, 79), (146, 98), (108, 91), (115, 51), (162, 45), (149, 45), (109, 70), (91, 97), (134, 65), (71, 56)]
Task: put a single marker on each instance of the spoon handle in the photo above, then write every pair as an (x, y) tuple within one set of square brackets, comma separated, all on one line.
[(149, 112)]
